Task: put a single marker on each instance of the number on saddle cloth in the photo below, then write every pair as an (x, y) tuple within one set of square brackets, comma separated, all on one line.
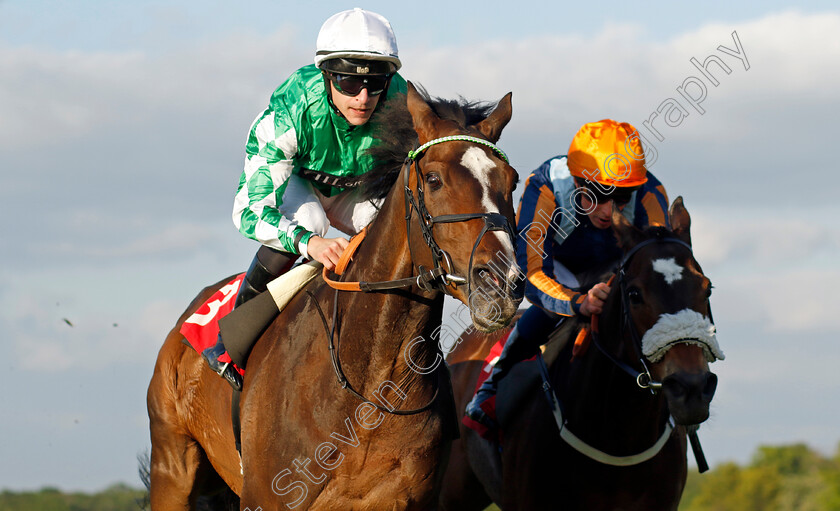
[(202, 328)]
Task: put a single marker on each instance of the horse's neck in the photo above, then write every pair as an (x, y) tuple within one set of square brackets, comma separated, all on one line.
[(604, 402), (389, 321)]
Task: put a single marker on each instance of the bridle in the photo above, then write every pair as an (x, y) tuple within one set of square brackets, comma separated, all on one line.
[(643, 379), (438, 278), (492, 221), (441, 276)]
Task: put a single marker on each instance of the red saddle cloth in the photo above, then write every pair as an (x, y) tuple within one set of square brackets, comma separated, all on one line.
[(489, 405), (202, 328)]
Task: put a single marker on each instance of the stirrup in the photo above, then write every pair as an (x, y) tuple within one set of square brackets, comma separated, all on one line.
[(231, 375)]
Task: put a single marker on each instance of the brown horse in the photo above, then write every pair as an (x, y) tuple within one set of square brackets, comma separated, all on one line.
[(306, 441), (640, 463)]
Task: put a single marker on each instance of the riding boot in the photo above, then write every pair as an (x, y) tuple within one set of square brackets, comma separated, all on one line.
[(530, 331), (517, 348), (268, 264)]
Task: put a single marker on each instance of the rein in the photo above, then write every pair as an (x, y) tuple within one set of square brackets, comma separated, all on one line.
[(582, 447), (643, 380), (336, 362), (439, 277), (435, 279)]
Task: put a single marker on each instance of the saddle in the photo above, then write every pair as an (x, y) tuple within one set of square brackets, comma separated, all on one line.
[(241, 327)]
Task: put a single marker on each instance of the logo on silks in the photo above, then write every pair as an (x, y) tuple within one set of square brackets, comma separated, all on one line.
[(362, 70)]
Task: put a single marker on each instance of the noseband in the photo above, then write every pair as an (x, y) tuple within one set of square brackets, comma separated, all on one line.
[(643, 379), (438, 278), (443, 272)]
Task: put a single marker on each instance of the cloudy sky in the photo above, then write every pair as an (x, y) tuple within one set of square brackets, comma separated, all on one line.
[(122, 130)]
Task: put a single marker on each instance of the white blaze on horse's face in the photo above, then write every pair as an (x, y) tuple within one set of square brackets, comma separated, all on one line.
[(477, 161), (669, 269)]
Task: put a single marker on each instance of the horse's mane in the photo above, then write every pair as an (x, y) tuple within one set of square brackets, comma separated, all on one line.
[(394, 130)]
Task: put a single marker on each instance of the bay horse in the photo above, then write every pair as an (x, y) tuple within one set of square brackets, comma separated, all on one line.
[(635, 459), (381, 441)]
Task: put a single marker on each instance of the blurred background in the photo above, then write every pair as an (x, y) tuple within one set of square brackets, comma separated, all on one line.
[(122, 132)]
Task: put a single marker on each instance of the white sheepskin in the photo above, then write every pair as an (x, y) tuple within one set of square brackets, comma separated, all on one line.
[(686, 326)]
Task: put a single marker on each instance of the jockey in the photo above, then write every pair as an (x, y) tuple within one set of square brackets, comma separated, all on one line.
[(564, 221), (306, 151)]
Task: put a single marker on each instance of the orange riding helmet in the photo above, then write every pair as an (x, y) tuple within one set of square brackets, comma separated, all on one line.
[(609, 153)]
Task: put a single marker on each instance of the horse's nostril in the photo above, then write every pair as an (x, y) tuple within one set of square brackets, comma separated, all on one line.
[(489, 277), (710, 386), (685, 386), (674, 387)]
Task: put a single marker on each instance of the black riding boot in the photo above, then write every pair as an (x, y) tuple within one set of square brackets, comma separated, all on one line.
[(524, 342), (267, 265)]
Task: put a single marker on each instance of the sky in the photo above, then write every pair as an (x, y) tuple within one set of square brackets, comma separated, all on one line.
[(122, 132)]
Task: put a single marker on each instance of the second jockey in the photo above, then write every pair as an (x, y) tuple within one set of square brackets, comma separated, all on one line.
[(564, 220)]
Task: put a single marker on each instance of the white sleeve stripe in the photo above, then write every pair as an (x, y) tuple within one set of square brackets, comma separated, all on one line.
[(287, 142), (264, 130)]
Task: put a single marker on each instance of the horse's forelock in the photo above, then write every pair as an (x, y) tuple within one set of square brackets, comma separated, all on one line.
[(658, 232), (394, 130)]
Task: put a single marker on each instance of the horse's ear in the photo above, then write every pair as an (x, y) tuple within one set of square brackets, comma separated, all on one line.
[(627, 234), (680, 220), (424, 118), (492, 126)]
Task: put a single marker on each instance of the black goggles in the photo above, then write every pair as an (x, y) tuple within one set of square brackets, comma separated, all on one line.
[(352, 85), (620, 196)]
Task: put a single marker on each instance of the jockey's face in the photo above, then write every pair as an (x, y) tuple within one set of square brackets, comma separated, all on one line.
[(356, 109), (601, 216)]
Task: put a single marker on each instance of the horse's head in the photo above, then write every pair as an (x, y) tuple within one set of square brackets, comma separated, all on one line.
[(459, 193), (665, 298)]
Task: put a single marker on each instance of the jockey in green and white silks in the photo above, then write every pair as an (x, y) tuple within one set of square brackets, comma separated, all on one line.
[(300, 131), (306, 153)]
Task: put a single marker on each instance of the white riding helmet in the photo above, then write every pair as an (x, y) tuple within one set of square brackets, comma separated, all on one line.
[(357, 34)]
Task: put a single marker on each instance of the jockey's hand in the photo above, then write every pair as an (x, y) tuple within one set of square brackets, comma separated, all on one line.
[(326, 250), (594, 301)]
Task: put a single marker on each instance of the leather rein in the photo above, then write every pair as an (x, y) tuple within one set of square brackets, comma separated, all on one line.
[(439, 278), (643, 379)]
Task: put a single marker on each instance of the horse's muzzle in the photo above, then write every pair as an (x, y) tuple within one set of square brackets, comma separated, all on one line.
[(689, 395), (493, 298)]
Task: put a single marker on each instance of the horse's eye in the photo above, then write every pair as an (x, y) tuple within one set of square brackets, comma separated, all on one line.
[(433, 180), (635, 296)]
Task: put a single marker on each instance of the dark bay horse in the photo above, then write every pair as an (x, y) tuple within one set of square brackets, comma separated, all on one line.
[(603, 406), (307, 442)]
